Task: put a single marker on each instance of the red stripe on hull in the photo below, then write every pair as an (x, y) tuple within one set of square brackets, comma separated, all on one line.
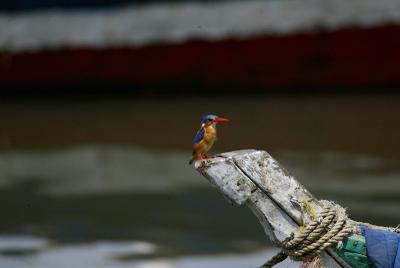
[(350, 57)]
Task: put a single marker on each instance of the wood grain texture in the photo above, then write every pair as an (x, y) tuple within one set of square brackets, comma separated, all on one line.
[(254, 178)]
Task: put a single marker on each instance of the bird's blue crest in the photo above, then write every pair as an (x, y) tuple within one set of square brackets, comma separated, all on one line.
[(208, 117)]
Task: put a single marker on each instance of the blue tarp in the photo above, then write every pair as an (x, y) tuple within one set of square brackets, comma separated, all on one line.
[(383, 247)]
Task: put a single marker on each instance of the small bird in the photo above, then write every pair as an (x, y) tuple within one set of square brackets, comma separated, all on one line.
[(206, 136)]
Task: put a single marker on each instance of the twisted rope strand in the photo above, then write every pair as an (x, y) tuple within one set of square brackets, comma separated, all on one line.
[(278, 258), (330, 227)]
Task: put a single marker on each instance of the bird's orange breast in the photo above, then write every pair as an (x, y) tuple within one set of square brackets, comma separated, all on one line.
[(210, 136)]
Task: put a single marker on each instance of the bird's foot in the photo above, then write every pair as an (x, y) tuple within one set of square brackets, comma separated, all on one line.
[(204, 157)]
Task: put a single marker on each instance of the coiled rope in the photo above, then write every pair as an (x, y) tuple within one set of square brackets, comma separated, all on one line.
[(329, 227)]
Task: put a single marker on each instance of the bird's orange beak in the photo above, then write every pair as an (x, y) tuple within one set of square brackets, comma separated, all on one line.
[(221, 120)]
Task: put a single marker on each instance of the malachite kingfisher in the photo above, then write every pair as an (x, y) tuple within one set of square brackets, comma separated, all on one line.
[(206, 136)]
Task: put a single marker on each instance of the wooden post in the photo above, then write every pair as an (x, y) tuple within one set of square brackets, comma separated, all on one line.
[(256, 179)]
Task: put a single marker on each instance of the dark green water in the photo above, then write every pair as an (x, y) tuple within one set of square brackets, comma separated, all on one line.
[(105, 183)]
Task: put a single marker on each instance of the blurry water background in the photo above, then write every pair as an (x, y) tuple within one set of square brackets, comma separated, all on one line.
[(104, 182)]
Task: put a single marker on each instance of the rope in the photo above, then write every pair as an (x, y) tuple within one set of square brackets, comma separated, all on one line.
[(330, 227)]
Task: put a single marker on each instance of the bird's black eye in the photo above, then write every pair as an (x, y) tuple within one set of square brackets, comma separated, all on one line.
[(209, 120)]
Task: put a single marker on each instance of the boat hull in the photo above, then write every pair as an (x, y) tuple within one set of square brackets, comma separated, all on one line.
[(351, 57)]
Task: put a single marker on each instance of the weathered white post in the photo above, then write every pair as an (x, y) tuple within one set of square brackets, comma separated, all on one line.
[(254, 178)]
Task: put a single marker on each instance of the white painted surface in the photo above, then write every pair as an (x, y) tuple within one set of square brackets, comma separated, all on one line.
[(179, 22)]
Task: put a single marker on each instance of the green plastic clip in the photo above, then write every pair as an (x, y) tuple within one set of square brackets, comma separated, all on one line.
[(353, 251)]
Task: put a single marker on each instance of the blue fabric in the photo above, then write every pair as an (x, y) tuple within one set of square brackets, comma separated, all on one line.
[(199, 136), (383, 247)]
